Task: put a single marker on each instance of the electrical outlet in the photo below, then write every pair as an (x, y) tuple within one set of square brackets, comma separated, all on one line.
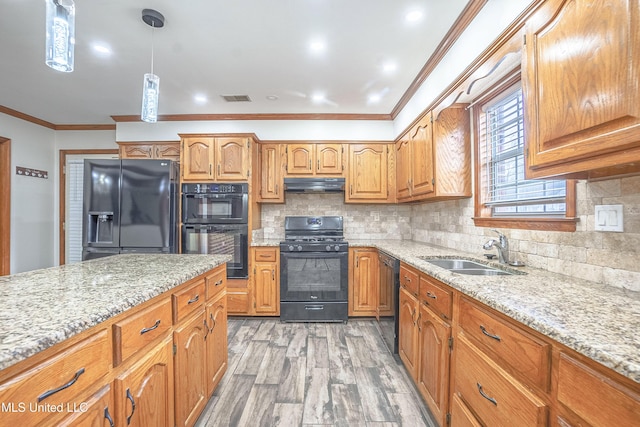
[(609, 218)]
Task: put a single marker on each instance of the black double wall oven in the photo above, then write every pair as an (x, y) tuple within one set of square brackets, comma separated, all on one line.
[(215, 221)]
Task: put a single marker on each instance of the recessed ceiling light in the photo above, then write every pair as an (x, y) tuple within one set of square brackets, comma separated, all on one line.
[(317, 46), (200, 99), (272, 97), (413, 16), (389, 67), (374, 98), (318, 97), (102, 49)]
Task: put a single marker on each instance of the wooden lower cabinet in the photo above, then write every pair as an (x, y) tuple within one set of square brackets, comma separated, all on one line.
[(266, 281), (217, 356), (144, 392), (433, 362), (97, 411), (190, 369), (408, 331), (363, 281), (461, 416)]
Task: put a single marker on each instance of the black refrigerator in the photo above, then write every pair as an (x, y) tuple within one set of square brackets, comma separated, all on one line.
[(129, 206)]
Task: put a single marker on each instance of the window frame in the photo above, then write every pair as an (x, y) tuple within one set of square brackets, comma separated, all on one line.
[(483, 214)]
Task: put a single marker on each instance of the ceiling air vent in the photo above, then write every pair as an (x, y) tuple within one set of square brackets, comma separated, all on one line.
[(236, 98)]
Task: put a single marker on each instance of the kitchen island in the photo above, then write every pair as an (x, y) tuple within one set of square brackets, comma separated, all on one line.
[(96, 332)]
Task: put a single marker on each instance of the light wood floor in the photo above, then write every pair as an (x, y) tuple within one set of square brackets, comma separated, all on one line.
[(311, 374)]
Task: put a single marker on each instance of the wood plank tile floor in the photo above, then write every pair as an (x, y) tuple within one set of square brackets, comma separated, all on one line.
[(312, 374)]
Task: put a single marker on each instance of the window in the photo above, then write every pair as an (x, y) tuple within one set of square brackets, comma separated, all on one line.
[(504, 197)]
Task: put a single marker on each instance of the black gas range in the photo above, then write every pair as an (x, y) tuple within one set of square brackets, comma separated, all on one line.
[(314, 270)]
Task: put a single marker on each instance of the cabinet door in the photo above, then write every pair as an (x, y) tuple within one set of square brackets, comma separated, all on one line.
[(232, 155), (452, 152), (364, 283), (136, 151), (169, 151), (197, 158), (216, 342), (271, 179), (190, 372), (267, 289), (368, 177), (581, 64), (403, 176), (144, 392), (385, 290), (300, 159), (422, 177), (329, 159), (97, 411), (408, 332), (461, 416), (433, 365)]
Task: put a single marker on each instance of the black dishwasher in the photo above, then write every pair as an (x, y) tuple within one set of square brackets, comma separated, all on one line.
[(387, 310)]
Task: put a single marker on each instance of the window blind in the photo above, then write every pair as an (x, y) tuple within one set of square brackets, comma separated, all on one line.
[(505, 189), (73, 221)]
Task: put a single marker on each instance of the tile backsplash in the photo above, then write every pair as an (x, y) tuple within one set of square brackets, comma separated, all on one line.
[(605, 257), (361, 221)]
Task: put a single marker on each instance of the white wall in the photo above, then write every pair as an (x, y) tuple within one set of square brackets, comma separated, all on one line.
[(32, 199)]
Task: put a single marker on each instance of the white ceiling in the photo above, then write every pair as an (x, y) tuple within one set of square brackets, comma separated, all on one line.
[(221, 47)]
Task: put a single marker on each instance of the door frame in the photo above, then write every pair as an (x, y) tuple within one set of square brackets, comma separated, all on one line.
[(5, 206), (63, 193)]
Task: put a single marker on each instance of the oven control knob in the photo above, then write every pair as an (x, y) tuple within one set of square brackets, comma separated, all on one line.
[(328, 248), (290, 248), (336, 248), (299, 248)]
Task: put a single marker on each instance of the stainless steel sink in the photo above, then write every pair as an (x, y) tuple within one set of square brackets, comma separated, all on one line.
[(470, 267)]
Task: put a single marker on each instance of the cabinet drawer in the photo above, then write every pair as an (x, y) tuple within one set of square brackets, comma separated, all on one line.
[(56, 381), (409, 280), (461, 416), (215, 283), (265, 255), (436, 296), (188, 299), (494, 396), (138, 330), (595, 398), (518, 352)]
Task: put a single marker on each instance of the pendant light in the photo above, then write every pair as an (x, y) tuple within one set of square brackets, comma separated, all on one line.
[(60, 40), (151, 83)]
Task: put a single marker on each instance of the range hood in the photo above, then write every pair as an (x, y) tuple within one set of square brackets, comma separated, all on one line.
[(314, 185)]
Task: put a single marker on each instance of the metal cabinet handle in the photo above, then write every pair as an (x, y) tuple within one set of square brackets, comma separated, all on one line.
[(218, 169), (206, 327), (318, 164), (273, 274), (432, 296), (62, 387), (210, 169), (107, 415), (133, 406), (276, 189), (194, 299), (407, 279), (219, 282), (149, 329), (484, 331), (213, 322), (483, 394), (309, 164)]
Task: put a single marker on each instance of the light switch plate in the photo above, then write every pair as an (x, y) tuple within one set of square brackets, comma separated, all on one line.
[(609, 218)]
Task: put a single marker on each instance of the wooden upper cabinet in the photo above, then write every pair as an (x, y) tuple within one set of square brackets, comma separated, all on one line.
[(300, 159), (434, 157), (197, 158), (581, 64), (153, 150), (232, 155), (451, 168), (208, 158), (315, 159), (369, 174), (329, 159), (271, 173)]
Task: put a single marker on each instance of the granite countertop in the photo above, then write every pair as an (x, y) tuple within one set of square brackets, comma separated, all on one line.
[(44, 307), (598, 321)]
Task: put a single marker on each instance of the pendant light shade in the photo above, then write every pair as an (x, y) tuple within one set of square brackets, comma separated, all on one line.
[(151, 83), (60, 40)]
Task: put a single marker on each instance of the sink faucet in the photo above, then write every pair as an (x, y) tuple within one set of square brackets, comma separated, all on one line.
[(502, 245)]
